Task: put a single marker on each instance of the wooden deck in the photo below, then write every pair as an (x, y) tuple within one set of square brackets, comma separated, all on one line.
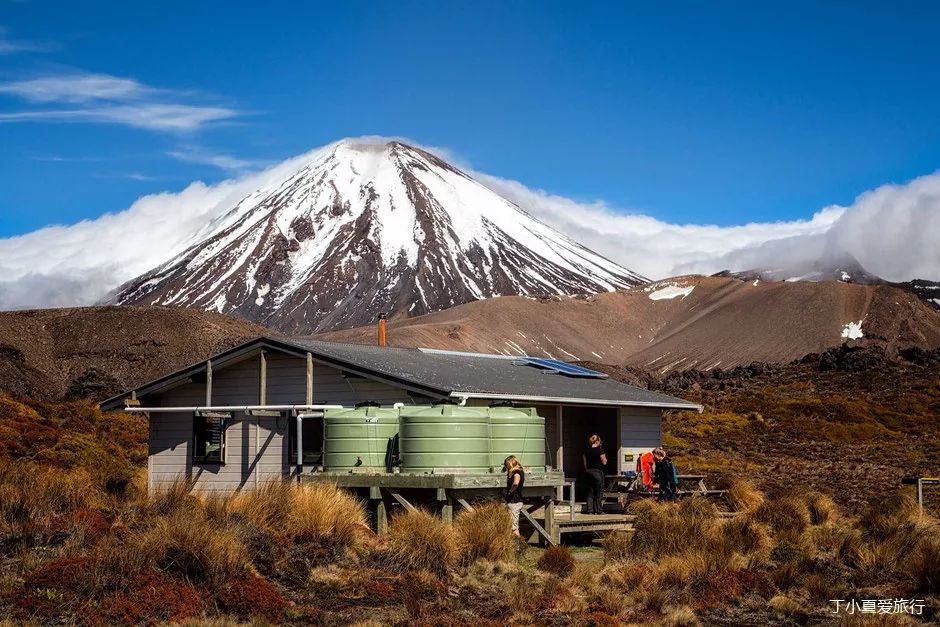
[(559, 521)]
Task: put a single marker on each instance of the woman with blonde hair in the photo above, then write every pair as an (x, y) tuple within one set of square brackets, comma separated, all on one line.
[(594, 460), (515, 480)]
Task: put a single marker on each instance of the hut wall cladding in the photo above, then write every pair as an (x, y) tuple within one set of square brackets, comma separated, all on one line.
[(171, 434), (287, 385), (640, 431)]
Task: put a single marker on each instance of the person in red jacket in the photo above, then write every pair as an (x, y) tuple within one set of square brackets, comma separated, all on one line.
[(644, 469)]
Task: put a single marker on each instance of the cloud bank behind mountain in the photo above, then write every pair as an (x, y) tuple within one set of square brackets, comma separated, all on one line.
[(891, 230)]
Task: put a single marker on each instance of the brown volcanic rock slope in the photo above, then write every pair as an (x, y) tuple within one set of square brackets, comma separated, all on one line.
[(720, 322), (98, 351)]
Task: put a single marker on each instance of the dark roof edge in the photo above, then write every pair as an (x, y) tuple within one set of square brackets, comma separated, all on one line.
[(261, 342), (562, 400)]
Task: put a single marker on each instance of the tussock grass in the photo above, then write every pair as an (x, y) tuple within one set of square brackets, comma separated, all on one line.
[(673, 528), (176, 496), (190, 545), (822, 509), (787, 514), (557, 560), (925, 566), (419, 540), (39, 504), (743, 496), (681, 616), (485, 533), (617, 546), (744, 536), (326, 514)]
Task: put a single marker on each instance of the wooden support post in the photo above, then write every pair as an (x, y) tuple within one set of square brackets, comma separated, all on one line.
[(401, 500), (463, 503), (447, 511), (263, 382), (381, 517), (560, 451), (208, 383), (539, 528), (550, 525), (309, 378)]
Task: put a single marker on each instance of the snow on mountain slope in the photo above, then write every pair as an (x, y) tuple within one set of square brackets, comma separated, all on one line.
[(366, 227)]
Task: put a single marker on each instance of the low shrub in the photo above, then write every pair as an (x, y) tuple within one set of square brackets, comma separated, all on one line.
[(251, 596), (418, 540), (485, 533), (150, 598), (557, 560)]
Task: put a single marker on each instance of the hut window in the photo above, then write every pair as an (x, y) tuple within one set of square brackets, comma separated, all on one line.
[(209, 445)]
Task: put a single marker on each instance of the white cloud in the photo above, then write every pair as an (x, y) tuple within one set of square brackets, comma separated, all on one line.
[(15, 46), (102, 98), (891, 230), (201, 156), (76, 88), (79, 264), (645, 244)]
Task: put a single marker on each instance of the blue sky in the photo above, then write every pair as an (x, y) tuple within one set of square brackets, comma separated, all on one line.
[(721, 113)]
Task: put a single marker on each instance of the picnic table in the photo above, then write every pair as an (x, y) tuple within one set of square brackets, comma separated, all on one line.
[(619, 486)]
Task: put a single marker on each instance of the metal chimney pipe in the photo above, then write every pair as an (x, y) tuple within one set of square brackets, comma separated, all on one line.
[(382, 318)]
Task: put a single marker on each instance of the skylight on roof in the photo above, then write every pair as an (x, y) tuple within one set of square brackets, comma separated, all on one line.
[(554, 366)]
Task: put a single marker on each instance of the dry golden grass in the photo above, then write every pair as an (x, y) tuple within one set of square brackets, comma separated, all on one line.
[(557, 560), (822, 509), (324, 513), (925, 566), (617, 546), (743, 496), (175, 496), (190, 545), (785, 607), (744, 536), (485, 533), (37, 501), (787, 514), (681, 616), (419, 540), (673, 528)]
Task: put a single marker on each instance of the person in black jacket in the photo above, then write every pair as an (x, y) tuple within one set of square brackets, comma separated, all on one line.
[(664, 475), (594, 460), (515, 481)]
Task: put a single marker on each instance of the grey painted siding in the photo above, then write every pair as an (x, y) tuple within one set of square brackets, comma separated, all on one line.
[(171, 434), (640, 431), (287, 384)]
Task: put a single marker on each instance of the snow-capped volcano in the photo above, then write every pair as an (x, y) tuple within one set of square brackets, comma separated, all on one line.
[(366, 227)]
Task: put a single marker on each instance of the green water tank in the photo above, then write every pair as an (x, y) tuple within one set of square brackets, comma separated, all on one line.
[(358, 439), (520, 432), (444, 439)]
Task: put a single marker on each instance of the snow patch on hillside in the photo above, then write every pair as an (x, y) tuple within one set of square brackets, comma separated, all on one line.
[(853, 331), (671, 291)]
